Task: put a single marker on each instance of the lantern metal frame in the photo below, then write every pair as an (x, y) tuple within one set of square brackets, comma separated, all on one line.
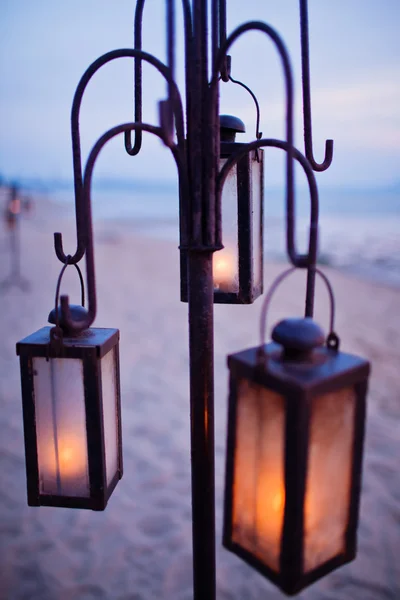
[(195, 149), (263, 366), (247, 292), (246, 365), (89, 348)]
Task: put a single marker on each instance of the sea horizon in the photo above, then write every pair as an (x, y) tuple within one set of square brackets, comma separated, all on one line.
[(359, 226)]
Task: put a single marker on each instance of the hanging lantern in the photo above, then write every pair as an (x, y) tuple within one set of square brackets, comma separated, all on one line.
[(72, 415), (294, 454), (238, 267)]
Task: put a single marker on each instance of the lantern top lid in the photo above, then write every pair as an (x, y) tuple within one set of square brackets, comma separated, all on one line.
[(231, 122), (77, 311), (229, 127), (298, 335)]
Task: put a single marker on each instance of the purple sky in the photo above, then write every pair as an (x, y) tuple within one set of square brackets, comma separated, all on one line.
[(46, 45)]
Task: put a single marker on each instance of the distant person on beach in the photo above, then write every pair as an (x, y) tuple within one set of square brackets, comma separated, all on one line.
[(13, 207)]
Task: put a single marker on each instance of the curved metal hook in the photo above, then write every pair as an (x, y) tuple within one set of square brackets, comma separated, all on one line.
[(138, 83), (309, 260), (305, 67), (280, 46), (76, 149), (85, 199), (219, 36), (135, 149)]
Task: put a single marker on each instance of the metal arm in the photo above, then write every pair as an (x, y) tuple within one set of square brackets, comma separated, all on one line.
[(274, 36), (138, 82), (298, 260), (305, 66), (86, 210), (76, 148)]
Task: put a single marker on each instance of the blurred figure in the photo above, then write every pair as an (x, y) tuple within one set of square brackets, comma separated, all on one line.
[(12, 213), (13, 208)]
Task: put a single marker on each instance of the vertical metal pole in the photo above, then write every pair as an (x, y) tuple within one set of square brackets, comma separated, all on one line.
[(201, 354), (201, 334)]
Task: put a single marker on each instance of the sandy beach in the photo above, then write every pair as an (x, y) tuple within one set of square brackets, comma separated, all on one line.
[(140, 547)]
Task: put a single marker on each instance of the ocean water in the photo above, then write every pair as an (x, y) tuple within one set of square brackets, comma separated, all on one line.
[(359, 229)]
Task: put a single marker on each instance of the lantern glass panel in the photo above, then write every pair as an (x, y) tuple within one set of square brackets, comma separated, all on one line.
[(326, 507), (226, 261), (61, 427), (110, 416), (256, 195), (258, 480)]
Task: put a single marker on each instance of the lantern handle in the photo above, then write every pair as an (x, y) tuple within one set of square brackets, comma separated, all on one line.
[(332, 340), (56, 331), (252, 94)]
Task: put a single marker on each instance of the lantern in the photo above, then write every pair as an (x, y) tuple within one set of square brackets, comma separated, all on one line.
[(72, 416), (238, 267), (294, 454)]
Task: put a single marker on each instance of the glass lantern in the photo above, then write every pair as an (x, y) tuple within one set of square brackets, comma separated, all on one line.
[(294, 454), (72, 417), (238, 267)]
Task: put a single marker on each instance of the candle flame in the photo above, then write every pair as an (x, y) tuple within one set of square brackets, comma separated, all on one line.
[(72, 459), (223, 270), (278, 501)]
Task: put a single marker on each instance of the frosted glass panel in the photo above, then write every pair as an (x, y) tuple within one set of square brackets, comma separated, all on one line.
[(256, 183), (61, 427), (258, 482), (226, 261), (326, 507), (109, 386)]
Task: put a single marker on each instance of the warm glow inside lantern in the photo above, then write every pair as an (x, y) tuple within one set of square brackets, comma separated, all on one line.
[(295, 437), (238, 267), (72, 424)]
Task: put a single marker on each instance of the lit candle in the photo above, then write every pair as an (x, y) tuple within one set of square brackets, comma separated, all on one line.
[(61, 422), (71, 457), (259, 492), (269, 511), (224, 270), (63, 462)]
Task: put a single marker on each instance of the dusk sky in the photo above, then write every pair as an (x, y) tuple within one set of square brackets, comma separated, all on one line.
[(46, 45)]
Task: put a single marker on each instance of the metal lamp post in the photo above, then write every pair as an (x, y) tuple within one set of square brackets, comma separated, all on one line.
[(193, 136)]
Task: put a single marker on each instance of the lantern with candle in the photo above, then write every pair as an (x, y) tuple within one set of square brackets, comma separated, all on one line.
[(294, 452), (238, 267), (71, 410)]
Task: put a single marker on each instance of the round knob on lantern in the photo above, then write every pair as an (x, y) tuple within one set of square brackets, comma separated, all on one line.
[(77, 312), (298, 336), (229, 127)]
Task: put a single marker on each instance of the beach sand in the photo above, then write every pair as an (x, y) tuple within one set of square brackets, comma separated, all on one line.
[(140, 547)]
